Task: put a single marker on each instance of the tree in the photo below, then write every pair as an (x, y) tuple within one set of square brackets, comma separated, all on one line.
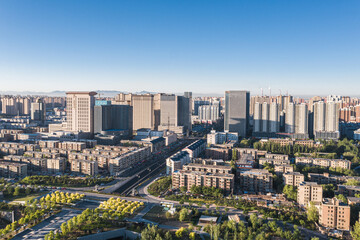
[(290, 192), (64, 228), (168, 236), (352, 182), (180, 233), (17, 191), (341, 198), (27, 191), (355, 233), (150, 232), (328, 190), (183, 214), (312, 213)]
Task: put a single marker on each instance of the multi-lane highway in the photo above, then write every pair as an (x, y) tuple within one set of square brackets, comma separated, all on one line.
[(157, 165)]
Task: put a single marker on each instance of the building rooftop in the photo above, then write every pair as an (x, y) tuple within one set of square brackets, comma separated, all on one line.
[(12, 163), (196, 144), (179, 155), (293, 173), (309, 184), (255, 172)]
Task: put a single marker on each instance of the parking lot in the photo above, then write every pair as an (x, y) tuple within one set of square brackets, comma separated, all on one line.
[(52, 223)]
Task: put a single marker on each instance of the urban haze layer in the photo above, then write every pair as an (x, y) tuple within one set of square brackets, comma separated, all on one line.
[(165, 166)]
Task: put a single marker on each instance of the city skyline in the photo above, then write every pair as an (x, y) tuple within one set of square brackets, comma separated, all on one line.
[(206, 47)]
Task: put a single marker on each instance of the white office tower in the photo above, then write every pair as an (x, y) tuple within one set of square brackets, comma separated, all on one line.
[(274, 121), (257, 117), (265, 117), (301, 119), (80, 111), (290, 118)]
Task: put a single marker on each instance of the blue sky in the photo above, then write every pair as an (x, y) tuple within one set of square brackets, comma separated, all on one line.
[(303, 47)]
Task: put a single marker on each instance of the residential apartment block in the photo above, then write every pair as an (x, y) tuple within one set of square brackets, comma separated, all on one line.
[(196, 148), (84, 167), (334, 214), (293, 178), (128, 159), (176, 161), (13, 169), (188, 178), (309, 192), (273, 161), (322, 162), (280, 169), (256, 180)]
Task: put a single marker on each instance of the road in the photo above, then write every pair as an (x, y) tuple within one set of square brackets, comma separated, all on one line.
[(50, 224), (148, 169)]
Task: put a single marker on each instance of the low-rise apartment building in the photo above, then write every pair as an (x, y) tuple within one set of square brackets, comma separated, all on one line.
[(56, 165), (322, 162), (24, 147), (73, 146), (348, 191), (11, 151), (84, 167), (188, 178), (196, 148), (128, 159), (280, 169), (256, 180), (40, 165), (36, 154), (309, 192), (252, 151), (277, 156), (13, 169), (334, 214), (272, 161), (293, 178), (218, 153), (207, 166), (176, 161)]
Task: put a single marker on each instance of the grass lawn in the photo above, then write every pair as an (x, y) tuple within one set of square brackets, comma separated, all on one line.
[(28, 197)]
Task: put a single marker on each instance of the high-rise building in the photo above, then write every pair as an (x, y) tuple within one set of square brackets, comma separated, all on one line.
[(290, 118), (237, 112), (266, 119), (146, 111), (326, 120), (112, 117), (301, 119), (38, 111), (80, 111), (296, 120), (274, 118), (209, 113), (159, 111), (175, 112)]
